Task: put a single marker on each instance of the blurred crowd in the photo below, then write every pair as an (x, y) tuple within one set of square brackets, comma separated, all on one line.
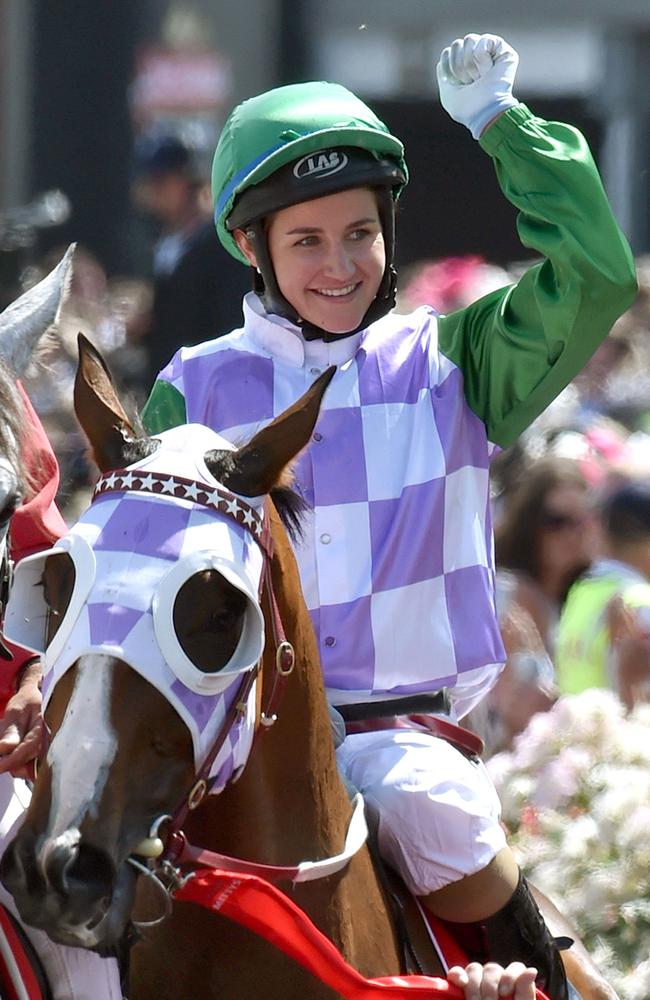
[(571, 498)]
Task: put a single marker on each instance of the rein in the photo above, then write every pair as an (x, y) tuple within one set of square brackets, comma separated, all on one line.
[(179, 851), (164, 858)]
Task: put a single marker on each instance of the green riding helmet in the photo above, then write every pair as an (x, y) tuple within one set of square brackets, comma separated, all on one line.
[(283, 127)]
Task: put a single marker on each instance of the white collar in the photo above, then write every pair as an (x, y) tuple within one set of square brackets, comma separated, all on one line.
[(284, 340)]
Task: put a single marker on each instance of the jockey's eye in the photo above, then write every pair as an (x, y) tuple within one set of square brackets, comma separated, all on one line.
[(208, 619)]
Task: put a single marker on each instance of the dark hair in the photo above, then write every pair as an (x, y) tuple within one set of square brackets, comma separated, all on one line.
[(517, 535), (158, 153), (626, 512)]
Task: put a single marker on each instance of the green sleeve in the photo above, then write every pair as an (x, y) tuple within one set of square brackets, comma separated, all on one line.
[(165, 408), (520, 346)]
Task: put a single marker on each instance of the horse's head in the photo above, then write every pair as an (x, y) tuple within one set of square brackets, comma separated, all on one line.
[(148, 618)]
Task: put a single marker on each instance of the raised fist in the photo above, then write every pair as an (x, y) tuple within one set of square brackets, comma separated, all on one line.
[(475, 78)]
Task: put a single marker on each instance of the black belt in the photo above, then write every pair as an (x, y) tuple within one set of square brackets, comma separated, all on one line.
[(422, 704)]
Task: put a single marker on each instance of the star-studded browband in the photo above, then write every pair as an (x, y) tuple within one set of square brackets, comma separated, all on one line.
[(217, 499)]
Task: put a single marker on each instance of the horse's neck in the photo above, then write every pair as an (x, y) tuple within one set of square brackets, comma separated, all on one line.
[(291, 790), (291, 805)]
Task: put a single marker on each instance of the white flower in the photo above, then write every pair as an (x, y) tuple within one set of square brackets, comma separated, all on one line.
[(631, 745), (580, 837), (500, 767), (634, 832), (636, 985), (515, 794), (560, 779), (576, 794), (538, 743), (641, 714), (550, 876), (622, 791), (600, 898), (590, 718)]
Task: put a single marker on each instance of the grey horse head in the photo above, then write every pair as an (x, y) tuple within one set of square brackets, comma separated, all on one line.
[(24, 322)]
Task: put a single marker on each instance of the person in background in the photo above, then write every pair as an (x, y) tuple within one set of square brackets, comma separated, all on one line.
[(546, 537), (449, 283), (604, 631), (197, 287), (527, 683)]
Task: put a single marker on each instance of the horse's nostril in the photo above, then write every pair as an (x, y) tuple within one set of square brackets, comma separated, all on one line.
[(80, 870), (93, 867)]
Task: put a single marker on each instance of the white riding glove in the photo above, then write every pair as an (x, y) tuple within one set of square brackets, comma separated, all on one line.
[(475, 78)]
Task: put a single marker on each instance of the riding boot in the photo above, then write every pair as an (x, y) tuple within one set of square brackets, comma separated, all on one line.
[(517, 933)]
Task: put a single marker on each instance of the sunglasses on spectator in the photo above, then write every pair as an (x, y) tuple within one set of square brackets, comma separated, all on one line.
[(555, 521)]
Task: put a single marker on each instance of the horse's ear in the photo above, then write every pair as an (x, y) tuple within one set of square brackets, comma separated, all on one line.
[(257, 467), (98, 408), (24, 322)]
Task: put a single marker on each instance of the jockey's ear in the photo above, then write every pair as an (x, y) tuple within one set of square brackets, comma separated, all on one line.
[(98, 408), (256, 468)]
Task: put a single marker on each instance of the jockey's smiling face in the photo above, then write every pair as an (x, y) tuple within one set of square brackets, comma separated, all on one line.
[(329, 257)]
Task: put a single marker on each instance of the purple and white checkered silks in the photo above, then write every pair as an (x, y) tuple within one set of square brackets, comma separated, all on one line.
[(397, 559), (132, 553)]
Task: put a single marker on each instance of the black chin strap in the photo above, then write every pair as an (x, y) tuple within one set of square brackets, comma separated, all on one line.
[(380, 306)]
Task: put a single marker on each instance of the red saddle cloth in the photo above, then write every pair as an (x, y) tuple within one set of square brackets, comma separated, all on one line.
[(18, 977)]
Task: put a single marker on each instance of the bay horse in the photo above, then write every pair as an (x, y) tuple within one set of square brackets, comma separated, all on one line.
[(149, 620)]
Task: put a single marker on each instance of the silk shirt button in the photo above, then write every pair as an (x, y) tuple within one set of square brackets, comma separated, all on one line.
[(330, 641), (317, 436), (315, 371), (325, 538)]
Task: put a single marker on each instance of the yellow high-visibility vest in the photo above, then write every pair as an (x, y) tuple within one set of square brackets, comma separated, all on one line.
[(583, 642)]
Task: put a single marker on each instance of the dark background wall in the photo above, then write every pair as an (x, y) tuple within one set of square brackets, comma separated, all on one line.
[(83, 62), (82, 139), (453, 204)]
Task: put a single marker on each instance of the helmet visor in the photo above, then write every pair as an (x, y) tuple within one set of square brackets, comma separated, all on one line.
[(314, 176)]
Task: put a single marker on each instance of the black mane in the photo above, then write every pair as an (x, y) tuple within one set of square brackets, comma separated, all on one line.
[(292, 508)]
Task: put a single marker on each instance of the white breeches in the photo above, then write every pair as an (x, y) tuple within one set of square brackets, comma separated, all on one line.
[(437, 813)]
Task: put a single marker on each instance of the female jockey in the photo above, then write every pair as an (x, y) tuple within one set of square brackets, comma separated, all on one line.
[(396, 560)]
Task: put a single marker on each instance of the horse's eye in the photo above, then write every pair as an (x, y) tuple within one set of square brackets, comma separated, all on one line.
[(216, 620), (208, 619), (58, 584)]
